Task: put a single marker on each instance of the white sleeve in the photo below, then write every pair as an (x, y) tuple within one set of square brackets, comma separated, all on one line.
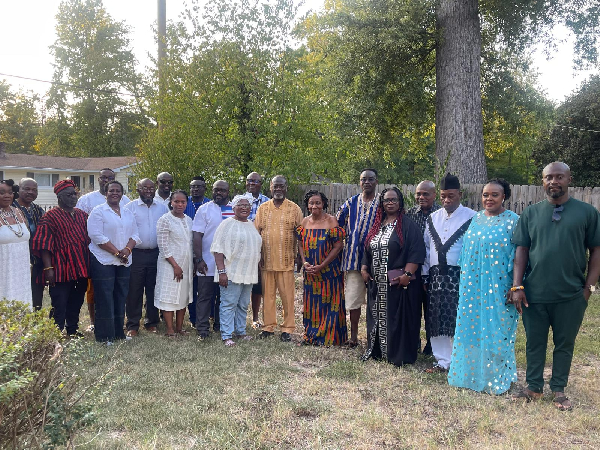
[(95, 226), (162, 236), (425, 267)]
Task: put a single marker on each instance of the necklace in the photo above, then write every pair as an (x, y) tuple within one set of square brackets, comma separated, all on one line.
[(4, 214), (318, 220)]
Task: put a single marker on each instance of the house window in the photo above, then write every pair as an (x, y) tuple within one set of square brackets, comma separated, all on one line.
[(92, 182), (44, 179), (1, 174), (77, 180)]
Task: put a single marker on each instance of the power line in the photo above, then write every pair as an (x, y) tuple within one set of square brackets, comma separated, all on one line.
[(74, 86), (575, 128)]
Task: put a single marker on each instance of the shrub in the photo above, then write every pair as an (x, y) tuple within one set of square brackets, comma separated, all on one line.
[(42, 401)]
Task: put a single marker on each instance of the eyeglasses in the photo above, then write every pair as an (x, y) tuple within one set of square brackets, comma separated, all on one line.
[(249, 181), (370, 179), (165, 181), (555, 213), (391, 200), (104, 178)]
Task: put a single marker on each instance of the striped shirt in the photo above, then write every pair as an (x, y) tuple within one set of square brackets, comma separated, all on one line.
[(226, 211), (356, 218), (191, 208), (33, 214), (65, 236)]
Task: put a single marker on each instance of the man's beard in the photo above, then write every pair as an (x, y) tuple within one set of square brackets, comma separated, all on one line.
[(555, 194)]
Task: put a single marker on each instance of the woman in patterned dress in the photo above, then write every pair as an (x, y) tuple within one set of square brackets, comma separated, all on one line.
[(174, 271), (483, 353), (393, 310), (321, 241)]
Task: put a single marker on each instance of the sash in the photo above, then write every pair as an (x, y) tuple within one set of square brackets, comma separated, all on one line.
[(442, 249)]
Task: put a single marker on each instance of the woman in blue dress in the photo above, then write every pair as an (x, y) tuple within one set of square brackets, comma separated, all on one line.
[(483, 353)]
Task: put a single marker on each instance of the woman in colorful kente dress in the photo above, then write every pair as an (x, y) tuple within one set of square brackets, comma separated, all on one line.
[(483, 353), (393, 296), (322, 241)]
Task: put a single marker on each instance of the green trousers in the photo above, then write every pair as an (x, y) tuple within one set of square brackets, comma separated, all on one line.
[(565, 319)]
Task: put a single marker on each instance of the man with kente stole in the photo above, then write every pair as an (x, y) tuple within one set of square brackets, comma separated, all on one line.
[(443, 243)]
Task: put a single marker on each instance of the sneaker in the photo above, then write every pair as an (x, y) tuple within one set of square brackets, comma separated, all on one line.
[(202, 337), (109, 343), (257, 325), (265, 334), (286, 337)]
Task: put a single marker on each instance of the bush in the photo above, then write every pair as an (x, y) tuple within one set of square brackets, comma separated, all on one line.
[(42, 402)]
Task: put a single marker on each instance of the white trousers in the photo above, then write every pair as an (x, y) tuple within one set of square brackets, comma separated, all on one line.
[(442, 350)]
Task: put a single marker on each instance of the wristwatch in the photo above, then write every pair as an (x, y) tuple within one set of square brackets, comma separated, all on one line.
[(197, 260), (591, 287), (408, 274)]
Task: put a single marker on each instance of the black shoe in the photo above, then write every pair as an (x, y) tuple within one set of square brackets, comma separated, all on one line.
[(265, 334), (427, 350), (285, 337)]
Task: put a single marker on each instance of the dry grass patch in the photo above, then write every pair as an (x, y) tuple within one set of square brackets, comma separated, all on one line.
[(183, 394)]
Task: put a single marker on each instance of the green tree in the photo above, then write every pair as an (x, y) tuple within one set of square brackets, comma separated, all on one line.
[(238, 97), (94, 65), (19, 119), (575, 136)]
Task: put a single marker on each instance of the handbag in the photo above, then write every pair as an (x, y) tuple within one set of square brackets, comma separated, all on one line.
[(395, 273)]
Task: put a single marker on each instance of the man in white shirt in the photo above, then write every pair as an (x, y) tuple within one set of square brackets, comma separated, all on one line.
[(443, 243), (164, 183), (144, 258), (89, 201), (86, 203), (208, 217)]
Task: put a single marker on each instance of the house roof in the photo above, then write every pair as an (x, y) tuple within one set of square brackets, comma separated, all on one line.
[(65, 163)]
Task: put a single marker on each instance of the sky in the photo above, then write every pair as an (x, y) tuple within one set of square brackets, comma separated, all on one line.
[(27, 30)]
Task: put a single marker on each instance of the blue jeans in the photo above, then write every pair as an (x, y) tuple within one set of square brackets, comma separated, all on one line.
[(234, 309), (111, 285)]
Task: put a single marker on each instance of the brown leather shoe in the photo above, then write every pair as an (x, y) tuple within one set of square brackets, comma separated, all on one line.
[(132, 333), (151, 330)]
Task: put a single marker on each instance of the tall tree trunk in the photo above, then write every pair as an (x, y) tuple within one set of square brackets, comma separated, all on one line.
[(459, 122)]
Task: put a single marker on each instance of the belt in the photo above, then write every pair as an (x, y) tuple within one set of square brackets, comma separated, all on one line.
[(145, 250)]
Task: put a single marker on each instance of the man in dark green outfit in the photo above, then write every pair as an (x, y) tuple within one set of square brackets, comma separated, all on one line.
[(552, 239)]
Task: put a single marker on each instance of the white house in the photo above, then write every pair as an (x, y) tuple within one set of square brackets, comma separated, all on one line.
[(47, 170)]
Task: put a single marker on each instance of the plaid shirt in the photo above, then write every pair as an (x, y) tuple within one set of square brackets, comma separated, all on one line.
[(256, 203), (420, 217)]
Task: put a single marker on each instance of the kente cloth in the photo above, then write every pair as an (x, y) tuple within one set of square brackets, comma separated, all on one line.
[(33, 214), (356, 217), (64, 235), (394, 313), (277, 228), (483, 354), (323, 297)]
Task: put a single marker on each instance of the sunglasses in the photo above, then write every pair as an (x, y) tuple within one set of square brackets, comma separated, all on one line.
[(253, 181), (165, 181), (555, 213)]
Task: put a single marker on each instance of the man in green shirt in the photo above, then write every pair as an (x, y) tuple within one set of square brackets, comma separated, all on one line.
[(552, 239)]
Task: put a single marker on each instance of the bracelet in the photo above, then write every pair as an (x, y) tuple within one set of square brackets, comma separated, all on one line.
[(118, 253), (516, 288), (222, 271), (48, 268), (128, 249)]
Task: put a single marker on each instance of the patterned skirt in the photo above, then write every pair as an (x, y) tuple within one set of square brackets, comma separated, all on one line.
[(442, 297)]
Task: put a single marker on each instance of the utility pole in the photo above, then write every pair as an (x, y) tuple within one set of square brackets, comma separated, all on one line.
[(162, 50)]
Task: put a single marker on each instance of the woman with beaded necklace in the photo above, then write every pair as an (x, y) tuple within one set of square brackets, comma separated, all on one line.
[(14, 247)]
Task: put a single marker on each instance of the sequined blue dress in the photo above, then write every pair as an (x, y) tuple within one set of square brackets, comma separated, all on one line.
[(483, 353)]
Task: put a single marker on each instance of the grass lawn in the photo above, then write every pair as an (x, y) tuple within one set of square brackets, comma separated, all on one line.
[(184, 394)]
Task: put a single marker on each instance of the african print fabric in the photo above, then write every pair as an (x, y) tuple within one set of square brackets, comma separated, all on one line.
[(483, 354), (380, 251), (324, 309)]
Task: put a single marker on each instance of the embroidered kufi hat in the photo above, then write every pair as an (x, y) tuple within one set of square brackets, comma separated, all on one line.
[(237, 199)]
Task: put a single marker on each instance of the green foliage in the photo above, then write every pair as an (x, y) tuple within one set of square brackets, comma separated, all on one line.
[(93, 65), (239, 98), (42, 401), (19, 119), (575, 137)]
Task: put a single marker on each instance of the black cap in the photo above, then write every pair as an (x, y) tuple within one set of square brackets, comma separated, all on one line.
[(449, 182)]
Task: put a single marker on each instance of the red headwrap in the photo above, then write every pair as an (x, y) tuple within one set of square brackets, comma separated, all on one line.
[(63, 184)]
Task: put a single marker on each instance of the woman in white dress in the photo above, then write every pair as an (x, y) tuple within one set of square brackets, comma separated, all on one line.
[(174, 277), (14, 247), (236, 246)]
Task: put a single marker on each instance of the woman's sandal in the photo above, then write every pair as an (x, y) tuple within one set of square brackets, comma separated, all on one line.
[(526, 395), (171, 335), (436, 369), (559, 403), (182, 332)]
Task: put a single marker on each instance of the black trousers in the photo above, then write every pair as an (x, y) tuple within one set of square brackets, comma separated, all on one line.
[(209, 297), (67, 298), (142, 277), (37, 289)]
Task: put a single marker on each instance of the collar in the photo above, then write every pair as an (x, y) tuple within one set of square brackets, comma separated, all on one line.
[(140, 202)]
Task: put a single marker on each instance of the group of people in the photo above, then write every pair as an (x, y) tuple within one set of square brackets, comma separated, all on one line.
[(470, 273)]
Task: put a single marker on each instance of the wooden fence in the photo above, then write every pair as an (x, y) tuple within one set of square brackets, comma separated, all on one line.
[(521, 196)]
